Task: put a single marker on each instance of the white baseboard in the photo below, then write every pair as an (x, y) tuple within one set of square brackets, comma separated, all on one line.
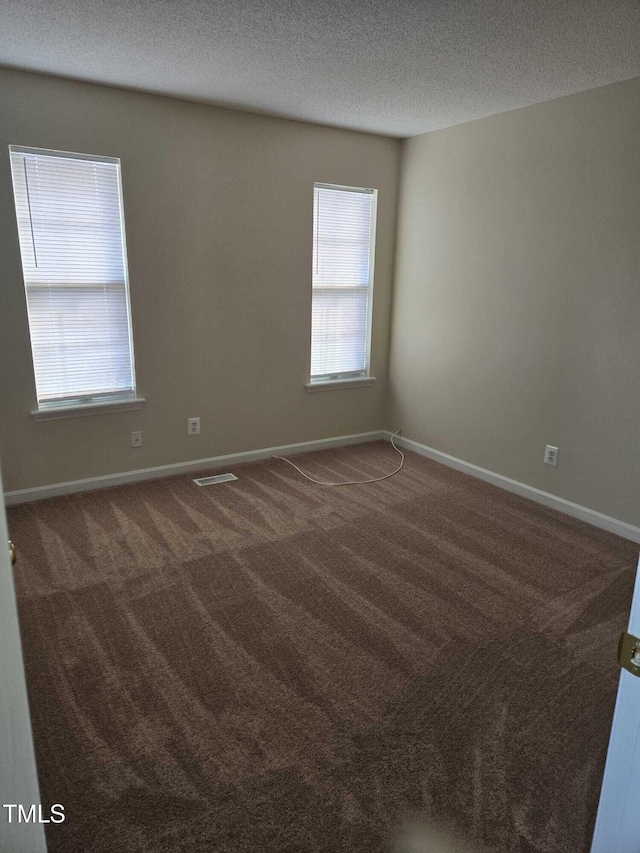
[(598, 519), (591, 516), (39, 492)]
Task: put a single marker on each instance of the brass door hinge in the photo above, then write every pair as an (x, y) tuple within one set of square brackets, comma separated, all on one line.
[(629, 653)]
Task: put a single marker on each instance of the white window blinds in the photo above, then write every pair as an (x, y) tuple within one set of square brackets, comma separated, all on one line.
[(343, 248), (71, 230)]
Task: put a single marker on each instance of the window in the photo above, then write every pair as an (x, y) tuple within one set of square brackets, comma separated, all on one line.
[(343, 249), (71, 231)]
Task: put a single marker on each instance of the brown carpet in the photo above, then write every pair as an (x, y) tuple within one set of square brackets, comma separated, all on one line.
[(268, 665)]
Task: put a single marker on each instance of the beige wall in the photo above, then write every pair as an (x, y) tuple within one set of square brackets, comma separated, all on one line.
[(218, 210), (516, 306), (516, 319)]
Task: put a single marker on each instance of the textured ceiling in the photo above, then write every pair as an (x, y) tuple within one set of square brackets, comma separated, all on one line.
[(398, 68)]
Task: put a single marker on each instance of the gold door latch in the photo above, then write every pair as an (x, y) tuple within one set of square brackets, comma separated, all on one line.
[(12, 552), (629, 653)]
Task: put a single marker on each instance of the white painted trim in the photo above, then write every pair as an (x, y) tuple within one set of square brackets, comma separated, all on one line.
[(617, 826), (591, 516), (39, 492), (19, 778), (83, 410), (336, 384)]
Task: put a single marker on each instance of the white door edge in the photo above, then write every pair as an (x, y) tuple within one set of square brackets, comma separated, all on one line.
[(617, 828), (18, 777)]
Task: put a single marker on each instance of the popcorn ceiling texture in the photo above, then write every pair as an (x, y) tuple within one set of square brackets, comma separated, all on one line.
[(396, 68)]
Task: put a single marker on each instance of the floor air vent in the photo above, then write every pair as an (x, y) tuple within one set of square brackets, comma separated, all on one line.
[(218, 478)]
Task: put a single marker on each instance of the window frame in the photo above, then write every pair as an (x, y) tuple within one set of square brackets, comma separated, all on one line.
[(349, 379), (82, 404)]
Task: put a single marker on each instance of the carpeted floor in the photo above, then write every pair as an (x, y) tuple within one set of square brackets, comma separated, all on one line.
[(268, 665)]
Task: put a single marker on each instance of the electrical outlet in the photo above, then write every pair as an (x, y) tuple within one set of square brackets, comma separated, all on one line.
[(193, 426), (551, 456), (136, 439)]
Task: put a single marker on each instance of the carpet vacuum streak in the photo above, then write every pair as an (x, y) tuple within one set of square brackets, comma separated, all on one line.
[(269, 665)]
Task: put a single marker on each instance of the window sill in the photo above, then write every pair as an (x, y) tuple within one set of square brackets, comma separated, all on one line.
[(335, 384), (81, 411)]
